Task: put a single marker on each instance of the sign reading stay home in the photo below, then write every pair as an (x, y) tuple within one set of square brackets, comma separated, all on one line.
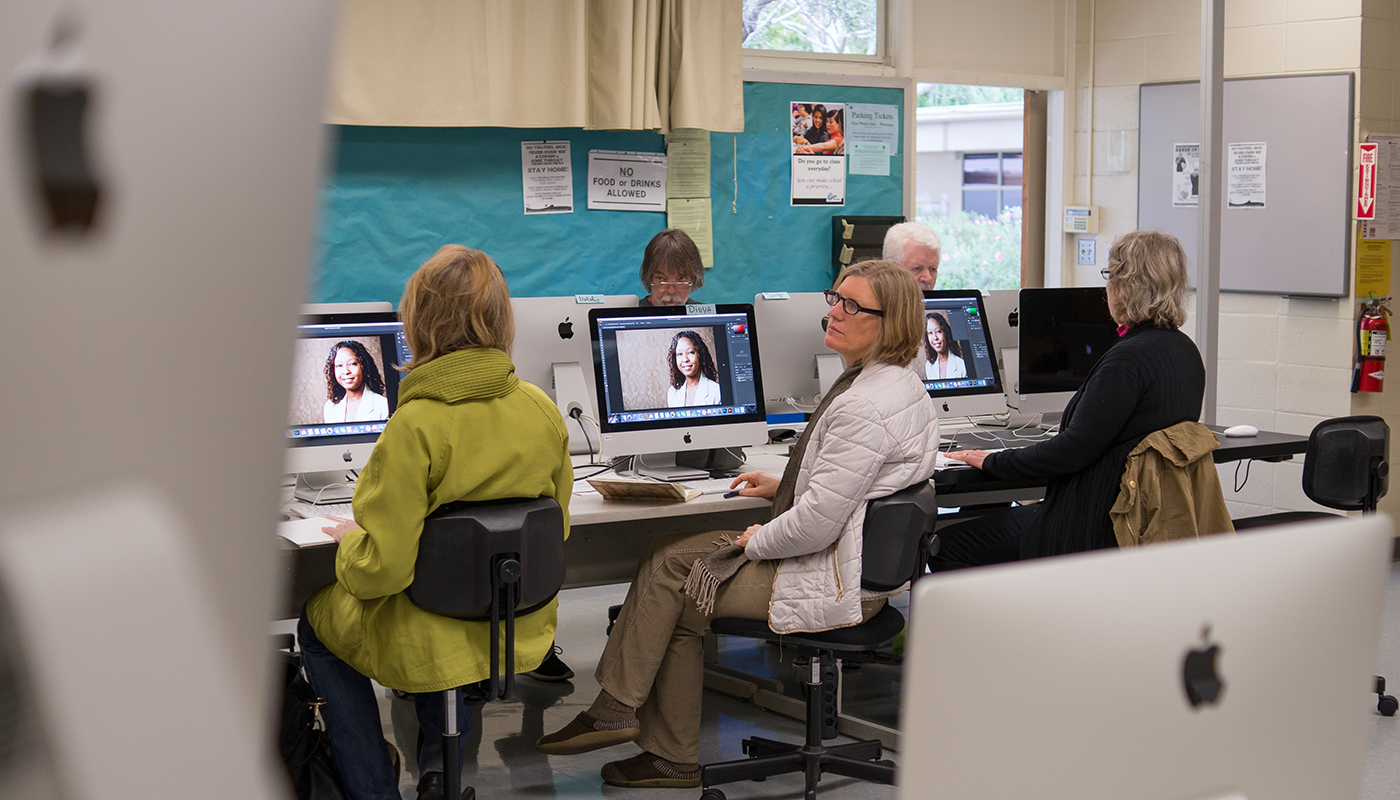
[(622, 181)]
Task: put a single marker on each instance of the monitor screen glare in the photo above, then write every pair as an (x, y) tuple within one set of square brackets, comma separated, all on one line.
[(665, 368)]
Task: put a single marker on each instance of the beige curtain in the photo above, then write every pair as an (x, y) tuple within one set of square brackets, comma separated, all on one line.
[(596, 64)]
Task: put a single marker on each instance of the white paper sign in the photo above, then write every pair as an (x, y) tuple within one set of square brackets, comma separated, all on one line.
[(623, 181), (818, 180), (870, 158), (1186, 175), (548, 177), (872, 122), (1244, 176)]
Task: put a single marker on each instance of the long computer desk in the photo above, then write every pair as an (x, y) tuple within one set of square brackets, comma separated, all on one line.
[(607, 536)]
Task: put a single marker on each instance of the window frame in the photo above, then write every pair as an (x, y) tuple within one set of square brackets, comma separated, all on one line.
[(998, 188)]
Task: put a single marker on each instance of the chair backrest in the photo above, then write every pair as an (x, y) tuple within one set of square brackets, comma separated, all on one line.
[(1347, 463), (894, 534), (462, 542)]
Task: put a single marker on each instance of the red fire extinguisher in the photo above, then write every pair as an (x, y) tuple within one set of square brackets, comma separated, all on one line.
[(1372, 330)]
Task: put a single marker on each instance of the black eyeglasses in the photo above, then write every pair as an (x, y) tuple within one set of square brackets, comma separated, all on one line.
[(1106, 273), (848, 305)]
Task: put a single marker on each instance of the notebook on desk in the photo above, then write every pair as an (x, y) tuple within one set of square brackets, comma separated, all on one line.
[(306, 532)]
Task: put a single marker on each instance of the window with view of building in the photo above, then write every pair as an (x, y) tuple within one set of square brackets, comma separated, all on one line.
[(991, 182), (845, 27), (968, 181)]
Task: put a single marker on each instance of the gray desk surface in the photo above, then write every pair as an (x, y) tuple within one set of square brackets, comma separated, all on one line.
[(606, 537)]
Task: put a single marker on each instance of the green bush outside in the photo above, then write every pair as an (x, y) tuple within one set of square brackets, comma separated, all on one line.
[(978, 252)]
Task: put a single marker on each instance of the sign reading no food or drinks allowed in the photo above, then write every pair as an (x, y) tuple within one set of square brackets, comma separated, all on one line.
[(623, 181)]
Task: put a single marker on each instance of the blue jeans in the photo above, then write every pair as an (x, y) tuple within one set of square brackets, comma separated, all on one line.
[(351, 713)]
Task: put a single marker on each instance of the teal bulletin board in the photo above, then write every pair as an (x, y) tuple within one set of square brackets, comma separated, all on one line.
[(395, 195)]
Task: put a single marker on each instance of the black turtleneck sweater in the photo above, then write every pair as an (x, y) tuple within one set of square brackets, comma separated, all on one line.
[(1150, 379)]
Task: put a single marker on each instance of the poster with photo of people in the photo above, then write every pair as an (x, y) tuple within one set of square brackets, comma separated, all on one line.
[(818, 154)]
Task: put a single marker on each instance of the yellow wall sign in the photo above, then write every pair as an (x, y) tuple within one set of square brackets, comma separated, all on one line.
[(1372, 268)]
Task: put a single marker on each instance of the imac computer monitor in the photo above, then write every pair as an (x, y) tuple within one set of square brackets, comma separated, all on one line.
[(1003, 320), (676, 379), (1064, 333), (344, 387), (1224, 668), (956, 359), (798, 367), (553, 352)]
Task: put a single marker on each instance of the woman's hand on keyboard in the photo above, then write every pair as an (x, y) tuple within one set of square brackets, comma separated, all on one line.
[(972, 458), (338, 530), (759, 484)]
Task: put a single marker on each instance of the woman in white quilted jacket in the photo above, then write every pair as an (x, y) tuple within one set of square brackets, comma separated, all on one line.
[(875, 433)]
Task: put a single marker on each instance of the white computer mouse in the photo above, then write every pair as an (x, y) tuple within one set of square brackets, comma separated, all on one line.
[(1242, 430)]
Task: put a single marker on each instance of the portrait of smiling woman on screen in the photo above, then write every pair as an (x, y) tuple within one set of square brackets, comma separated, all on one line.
[(694, 379), (354, 386)]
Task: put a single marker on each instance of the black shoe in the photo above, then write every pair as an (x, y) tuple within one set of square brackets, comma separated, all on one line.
[(552, 668), (430, 786)]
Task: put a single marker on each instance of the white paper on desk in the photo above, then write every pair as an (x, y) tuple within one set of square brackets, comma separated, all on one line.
[(306, 532)]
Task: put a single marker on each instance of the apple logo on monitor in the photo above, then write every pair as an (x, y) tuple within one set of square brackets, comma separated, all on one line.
[(687, 438), (566, 329), (1202, 683)]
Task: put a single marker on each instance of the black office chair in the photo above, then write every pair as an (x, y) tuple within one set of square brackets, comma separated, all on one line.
[(898, 539), (492, 561), (1346, 467)]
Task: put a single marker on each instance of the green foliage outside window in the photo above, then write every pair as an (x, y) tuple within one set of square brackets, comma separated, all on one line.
[(977, 252), (953, 94), (812, 26)]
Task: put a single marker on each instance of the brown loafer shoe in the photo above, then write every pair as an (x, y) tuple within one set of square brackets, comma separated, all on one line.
[(585, 734), (652, 772)]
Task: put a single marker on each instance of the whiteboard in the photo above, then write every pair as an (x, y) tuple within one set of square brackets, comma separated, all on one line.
[(1300, 242)]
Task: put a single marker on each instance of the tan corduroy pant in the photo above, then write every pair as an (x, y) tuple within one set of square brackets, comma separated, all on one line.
[(653, 659)]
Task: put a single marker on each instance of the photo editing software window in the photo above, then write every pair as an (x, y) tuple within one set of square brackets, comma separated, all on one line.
[(676, 369), (956, 353), (344, 380)]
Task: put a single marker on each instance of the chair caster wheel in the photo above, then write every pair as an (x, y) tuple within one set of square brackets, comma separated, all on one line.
[(712, 794), (1387, 705)]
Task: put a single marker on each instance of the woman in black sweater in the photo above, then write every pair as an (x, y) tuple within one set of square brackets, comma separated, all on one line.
[(1151, 379)]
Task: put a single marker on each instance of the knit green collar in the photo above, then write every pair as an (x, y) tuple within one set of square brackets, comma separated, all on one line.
[(478, 373)]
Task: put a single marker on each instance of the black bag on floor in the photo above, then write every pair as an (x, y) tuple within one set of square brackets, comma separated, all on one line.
[(302, 741)]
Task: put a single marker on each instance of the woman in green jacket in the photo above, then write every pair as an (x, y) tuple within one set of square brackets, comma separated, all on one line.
[(465, 429)]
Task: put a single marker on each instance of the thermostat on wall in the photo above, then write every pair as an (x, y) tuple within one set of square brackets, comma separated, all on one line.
[(1081, 219)]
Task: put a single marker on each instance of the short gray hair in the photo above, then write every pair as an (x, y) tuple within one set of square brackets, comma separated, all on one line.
[(899, 237)]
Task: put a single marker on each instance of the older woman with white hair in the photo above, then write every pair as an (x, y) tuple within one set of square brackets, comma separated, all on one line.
[(1152, 378)]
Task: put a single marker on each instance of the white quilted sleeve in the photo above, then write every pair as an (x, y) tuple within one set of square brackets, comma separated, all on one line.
[(854, 447)]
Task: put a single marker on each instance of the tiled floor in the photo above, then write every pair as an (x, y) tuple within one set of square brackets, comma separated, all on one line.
[(502, 762)]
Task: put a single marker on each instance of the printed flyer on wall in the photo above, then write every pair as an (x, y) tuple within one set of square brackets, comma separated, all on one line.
[(1186, 175), (818, 154)]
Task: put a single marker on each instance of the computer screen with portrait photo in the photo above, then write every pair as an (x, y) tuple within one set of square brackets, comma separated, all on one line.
[(956, 358), (674, 379), (345, 386)]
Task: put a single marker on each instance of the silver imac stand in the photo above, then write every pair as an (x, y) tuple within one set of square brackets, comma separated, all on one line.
[(322, 488), (663, 466), (829, 369), (570, 394)]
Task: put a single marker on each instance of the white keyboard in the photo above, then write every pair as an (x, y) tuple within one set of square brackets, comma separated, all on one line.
[(710, 485), (309, 510)]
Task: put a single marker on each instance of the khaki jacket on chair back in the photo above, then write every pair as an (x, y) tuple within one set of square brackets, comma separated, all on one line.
[(1170, 489)]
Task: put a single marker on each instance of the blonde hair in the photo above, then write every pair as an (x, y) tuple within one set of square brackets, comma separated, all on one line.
[(1148, 270), (902, 326), (458, 299)]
